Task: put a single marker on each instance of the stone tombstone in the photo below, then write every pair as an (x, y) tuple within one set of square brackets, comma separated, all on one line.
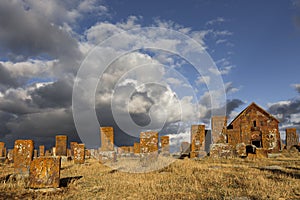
[(45, 172), (2, 149), (165, 145), (41, 150), (136, 148), (148, 142), (79, 153), (72, 144), (61, 145), (10, 155), (197, 139), (219, 129), (47, 153), (35, 153), (107, 138), (23, 152), (53, 151), (291, 137)]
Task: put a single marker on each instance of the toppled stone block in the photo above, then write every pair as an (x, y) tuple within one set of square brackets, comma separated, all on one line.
[(23, 152), (221, 150), (45, 172), (241, 149)]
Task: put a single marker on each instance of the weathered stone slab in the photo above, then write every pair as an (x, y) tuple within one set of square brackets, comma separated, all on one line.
[(221, 150), (48, 153), (41, 150), (292, 138), (218, 129), (53, 151), (241, 149), (165, 145), (197, 139), (79, 153), (148, 142), (23, 152), (2, 149), (10, 156), (35, 153), (136, 148), (107, 138), (72, 144), (45, 172), (61, 145)]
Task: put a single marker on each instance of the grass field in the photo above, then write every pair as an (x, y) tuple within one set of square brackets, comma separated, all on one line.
[(276, 178)]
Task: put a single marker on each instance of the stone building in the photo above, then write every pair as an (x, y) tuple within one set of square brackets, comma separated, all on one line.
[(255, 126)]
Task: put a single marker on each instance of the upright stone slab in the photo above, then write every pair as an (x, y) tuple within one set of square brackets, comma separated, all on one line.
[(41, 150), (291, 137), (2, 149), (198, 140), (165, 145), (23, 152), (148, 142), (72, 145), (219, 128), (45, 172), (107, 138), (53, 151), (35, 153), (48, 153), (10, 156), (79, 153), (136, 148), (61, 145)]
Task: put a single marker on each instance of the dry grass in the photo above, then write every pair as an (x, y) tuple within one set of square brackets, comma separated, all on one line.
[(183, 179)]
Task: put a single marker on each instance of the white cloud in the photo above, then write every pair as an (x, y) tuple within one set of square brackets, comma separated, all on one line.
[(215, 21)]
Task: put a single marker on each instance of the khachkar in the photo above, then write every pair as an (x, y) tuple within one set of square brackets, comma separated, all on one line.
[(148, 147), (61, 145), (292, 138), (41, 150), (197, 141), (2, 149), (107, 138), (79, 153), (45, 172), (165, 145), (219, 128), (23, 152)]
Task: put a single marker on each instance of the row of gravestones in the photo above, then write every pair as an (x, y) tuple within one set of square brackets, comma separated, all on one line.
[(43, 171)]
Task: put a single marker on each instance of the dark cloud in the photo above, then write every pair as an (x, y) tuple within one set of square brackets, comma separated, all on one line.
[(56, 95), (6, 80), (285, 110), (27, 34)]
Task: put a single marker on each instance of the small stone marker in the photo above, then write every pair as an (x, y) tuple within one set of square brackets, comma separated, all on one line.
[(2, 149), (23, 152), (35, 154), (79, 153), (45, 172), (136, 148), (41, 150)]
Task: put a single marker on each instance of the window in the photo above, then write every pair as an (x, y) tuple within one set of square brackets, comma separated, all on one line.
[(254, 123)]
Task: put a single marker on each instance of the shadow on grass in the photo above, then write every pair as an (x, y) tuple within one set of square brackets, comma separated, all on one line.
[(281, 171), (64, 182)]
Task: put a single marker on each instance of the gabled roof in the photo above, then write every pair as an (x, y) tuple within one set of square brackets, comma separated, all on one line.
[(258, 108)]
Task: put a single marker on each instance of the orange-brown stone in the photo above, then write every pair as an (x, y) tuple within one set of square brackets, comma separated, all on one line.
[(45, 172), (79, 153), (41, 150), (107, 138), (148, 142), (61, 145), (23, 152)]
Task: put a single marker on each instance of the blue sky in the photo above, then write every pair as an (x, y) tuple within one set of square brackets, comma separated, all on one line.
[(254, 44)]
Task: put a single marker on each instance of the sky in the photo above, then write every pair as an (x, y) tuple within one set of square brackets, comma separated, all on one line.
[(132, 65)]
